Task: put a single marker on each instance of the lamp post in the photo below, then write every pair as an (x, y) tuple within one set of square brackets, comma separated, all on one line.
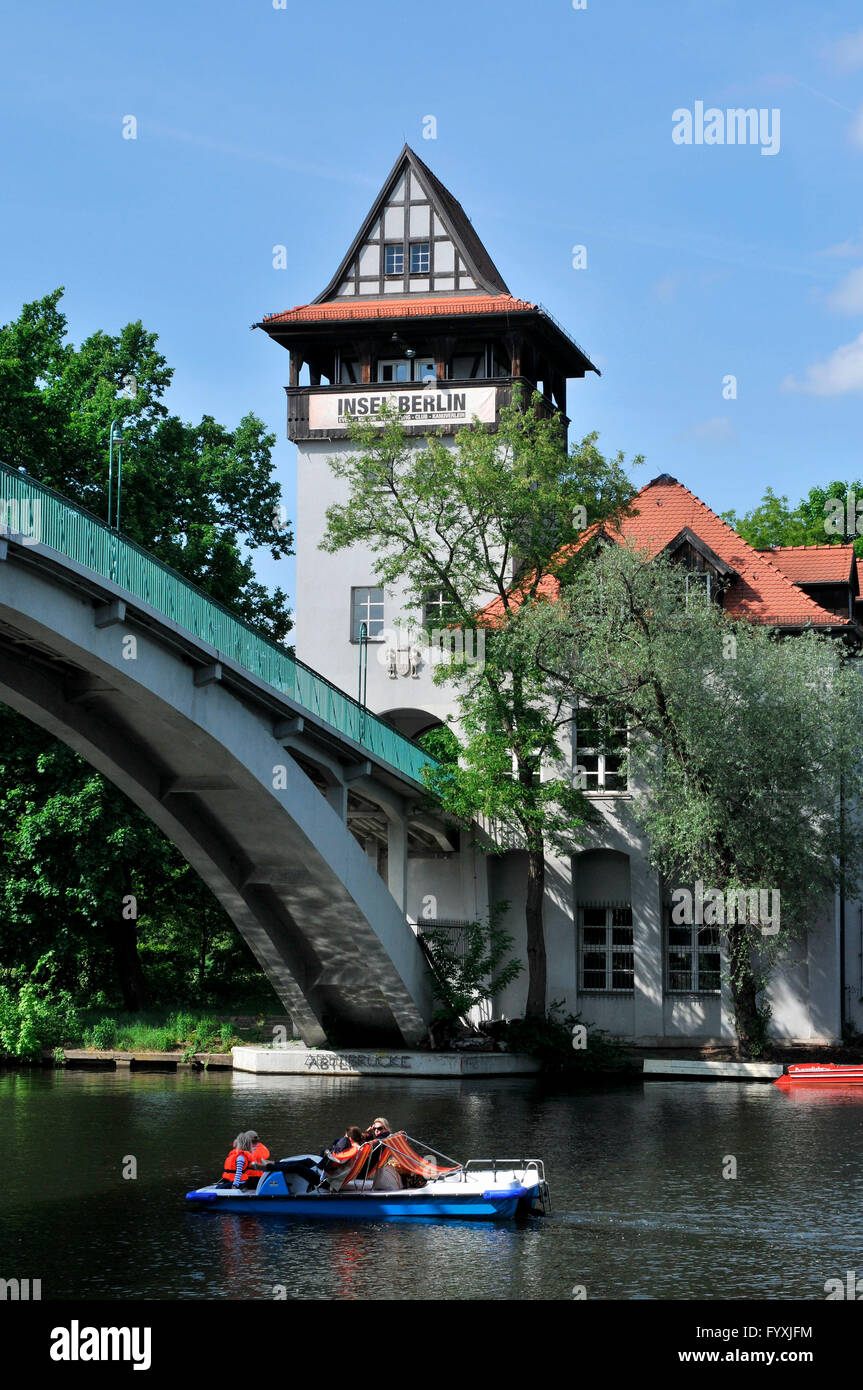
[(363, 655), (116, 437)]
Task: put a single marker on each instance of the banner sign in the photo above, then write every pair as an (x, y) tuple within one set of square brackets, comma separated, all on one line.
[(430, 406)]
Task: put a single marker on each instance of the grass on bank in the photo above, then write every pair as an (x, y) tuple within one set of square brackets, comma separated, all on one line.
[(33, 1021)]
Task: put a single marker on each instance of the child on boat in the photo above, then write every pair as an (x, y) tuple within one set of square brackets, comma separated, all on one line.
[(236, 1163)]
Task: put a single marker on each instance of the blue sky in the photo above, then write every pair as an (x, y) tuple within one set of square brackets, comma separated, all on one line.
[(259, 126)]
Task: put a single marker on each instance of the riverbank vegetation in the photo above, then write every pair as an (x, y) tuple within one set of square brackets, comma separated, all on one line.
[(89, 887)]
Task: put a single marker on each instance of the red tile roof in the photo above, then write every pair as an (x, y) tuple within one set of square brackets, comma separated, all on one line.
[(402, 306), (759, 590), (813, 564)]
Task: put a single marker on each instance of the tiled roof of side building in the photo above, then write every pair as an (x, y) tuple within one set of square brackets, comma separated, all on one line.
[(758, 589), (402, 306), (813, 564)]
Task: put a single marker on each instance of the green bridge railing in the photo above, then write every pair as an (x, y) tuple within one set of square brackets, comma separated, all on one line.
[(43, 516)]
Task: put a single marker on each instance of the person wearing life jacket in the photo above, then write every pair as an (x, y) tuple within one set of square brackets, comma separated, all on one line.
[(235, 1164), (258, 1156)]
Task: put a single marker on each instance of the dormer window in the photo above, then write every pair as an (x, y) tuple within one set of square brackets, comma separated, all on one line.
[(707, 573), (420, 258)]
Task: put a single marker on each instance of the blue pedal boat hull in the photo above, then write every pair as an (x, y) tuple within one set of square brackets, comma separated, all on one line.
[(459, 1201)]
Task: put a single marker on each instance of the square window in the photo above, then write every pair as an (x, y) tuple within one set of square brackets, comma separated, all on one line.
[(394, 259), (437, 610), (420, 258)]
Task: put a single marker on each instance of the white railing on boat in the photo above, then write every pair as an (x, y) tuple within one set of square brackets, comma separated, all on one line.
[(491, 1165)]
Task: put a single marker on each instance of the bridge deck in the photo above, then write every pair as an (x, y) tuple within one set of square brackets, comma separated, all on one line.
[(33, 511)]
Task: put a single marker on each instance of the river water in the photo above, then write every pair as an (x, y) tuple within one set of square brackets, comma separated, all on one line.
[(641, 1206)]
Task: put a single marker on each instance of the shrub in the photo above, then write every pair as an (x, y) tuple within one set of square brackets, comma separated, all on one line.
[(206, 1035), (105, 1034), (183, 1025), (550, 1040), (36, 1018), (471, 970)]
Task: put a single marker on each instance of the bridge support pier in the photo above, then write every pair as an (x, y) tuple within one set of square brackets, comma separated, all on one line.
[(397, 859)]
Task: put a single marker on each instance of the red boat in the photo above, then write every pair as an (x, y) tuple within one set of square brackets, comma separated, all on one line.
[(821, 1074)]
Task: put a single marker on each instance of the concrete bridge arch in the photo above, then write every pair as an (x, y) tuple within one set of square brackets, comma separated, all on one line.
[(206, 750)]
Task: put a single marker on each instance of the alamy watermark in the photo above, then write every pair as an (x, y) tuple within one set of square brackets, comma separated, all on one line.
[(21, 519), (736, 125), (404, 651), (843, 516), (711, 907)]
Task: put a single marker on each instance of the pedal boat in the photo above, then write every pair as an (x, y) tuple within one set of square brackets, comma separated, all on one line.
[(820, 1074), (481, 1190)]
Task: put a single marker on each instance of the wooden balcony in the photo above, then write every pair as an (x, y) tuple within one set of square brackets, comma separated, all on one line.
[(443, 408)]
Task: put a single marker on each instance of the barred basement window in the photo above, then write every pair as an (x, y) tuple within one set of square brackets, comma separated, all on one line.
[(452, 930), (692, 959), (606, 954)]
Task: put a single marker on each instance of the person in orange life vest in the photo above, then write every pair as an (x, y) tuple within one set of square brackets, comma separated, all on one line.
[(237, 1161), (258, 1156), (347, 1146)]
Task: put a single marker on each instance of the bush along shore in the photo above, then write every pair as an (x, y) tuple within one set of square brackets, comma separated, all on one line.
[(33, 1026)]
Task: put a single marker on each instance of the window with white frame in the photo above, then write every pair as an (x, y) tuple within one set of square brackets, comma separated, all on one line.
[(599, 750), (606, 948), (438, 609), (420, 258), (394, 259), (692, 958), (367, 606), (698, 587)]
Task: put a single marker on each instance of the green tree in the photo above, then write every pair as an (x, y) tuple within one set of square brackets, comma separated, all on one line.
[(464, 520), (816, 520), (745, 751), (194, 495), (201, 497)]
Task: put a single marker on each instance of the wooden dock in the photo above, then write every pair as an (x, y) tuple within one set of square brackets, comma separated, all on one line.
[(137, 1061), (661, 1068)]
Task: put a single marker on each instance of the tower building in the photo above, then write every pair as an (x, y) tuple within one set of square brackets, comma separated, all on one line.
[(416, 316)]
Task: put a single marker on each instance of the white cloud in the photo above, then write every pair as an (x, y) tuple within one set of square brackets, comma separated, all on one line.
[(844, 248), (846, 53), (847, 297), (840, 375)]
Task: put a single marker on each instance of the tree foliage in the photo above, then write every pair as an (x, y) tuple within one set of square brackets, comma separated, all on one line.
[(746, 751), (816, 520), (74, 853)]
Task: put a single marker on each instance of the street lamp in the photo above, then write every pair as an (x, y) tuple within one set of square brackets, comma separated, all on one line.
[(116, 437)]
